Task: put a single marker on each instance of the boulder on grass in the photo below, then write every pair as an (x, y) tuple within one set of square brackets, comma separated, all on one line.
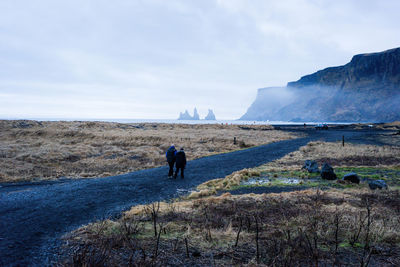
[(196, 253), (352, 177), (327, 172), (311, 166), (377, 184)]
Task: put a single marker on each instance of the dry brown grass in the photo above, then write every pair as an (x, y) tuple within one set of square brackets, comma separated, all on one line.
[(323, 152), (393, 125), (338, 156), (351, 226), (32, 150), (212, 186), (310, 227)]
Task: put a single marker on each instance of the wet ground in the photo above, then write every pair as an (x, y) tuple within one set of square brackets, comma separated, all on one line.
[(33, 216)]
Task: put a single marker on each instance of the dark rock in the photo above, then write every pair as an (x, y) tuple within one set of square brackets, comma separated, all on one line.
[(352, 177), (196, 253), (311, 166), (72, 158), (26, 124), (327, 172), (377, 184)]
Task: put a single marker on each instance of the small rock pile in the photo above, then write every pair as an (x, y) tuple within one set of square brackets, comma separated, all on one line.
[(327, 172), (377, 184), (352, 177), (311, 166)]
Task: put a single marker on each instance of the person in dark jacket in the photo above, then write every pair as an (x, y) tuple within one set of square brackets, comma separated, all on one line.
[(180, 162), (171, 159)]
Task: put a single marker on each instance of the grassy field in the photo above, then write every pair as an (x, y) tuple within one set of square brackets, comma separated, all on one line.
[(374, 162), (328, 223), (32, 150)]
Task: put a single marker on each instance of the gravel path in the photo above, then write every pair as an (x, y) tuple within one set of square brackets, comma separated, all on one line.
[(34, 216)]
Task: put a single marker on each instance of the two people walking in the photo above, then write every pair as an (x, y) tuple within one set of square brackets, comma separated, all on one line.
[(177, 158)]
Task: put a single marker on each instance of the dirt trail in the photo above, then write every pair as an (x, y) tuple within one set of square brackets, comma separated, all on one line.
[(34, 216)]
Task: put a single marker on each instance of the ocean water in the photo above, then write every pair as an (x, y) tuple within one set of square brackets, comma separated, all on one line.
[(236, 122), (174, 121)]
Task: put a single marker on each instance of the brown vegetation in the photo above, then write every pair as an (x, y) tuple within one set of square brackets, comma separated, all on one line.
[(339, 156), (392, 125), (350, 227), (323, 152), (48, 150)]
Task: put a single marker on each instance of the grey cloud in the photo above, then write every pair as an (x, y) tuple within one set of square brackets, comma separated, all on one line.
[(145, 55)]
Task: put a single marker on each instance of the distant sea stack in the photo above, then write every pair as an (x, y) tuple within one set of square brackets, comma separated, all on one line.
[(210, 116), (196, 116), (186, 115), (367, 89)]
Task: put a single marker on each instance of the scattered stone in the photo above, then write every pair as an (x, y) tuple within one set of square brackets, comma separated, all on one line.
[(311, 166), (196, 253), (327, 172), (352, 177), (72, 158), (24, 124), (377, 184)]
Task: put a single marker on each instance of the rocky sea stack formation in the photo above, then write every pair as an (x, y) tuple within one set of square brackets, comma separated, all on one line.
[(210, 116), (186, 115), (367, 89)]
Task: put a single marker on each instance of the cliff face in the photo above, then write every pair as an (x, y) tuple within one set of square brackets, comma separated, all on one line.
[(265, 109), (363, 71), (365, 89)]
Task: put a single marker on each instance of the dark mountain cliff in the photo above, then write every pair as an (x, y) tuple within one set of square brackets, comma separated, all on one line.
[(363, 70), (365, 89)]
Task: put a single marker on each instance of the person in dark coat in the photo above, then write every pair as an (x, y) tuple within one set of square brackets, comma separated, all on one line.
[(171, 159), (180, 162)]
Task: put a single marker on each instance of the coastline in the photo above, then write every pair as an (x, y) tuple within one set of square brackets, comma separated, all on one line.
[(176, 121)]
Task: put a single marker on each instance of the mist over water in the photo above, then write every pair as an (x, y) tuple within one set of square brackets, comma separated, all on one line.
[(325, 103)]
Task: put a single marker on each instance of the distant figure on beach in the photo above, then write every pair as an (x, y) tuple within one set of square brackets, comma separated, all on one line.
[(180, 162), (171, 159)]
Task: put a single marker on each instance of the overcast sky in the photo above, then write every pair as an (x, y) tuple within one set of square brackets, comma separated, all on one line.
[(154, 58)]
